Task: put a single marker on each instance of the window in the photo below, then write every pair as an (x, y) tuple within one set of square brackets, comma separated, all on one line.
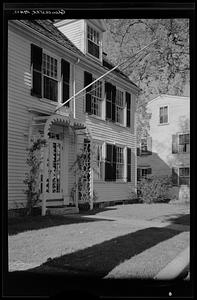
[(110, 91), (181, 143), (50, 82), (119, 106), (184, 143), (114, 164), (98, 161), (46, 75), (163, 115), (181, 176), (143, 172), (184, 176), (93, 46), (145, 146), (93, 95), (96, 100), (119, 163)]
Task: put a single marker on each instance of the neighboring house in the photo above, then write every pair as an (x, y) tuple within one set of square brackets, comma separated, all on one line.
[(47, 64), (166, 151)]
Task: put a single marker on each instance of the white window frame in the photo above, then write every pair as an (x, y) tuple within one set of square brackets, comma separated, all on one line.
[(97, 100), (58, 79), (180, 146), (120, 163), (99, 44), (183, 167), (120, 107), (164, 123), (144, 168)]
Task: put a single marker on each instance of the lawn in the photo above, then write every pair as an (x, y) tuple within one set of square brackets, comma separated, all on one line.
[(81, 246)]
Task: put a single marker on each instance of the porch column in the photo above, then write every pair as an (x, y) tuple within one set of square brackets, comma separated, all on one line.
[(91, 177)]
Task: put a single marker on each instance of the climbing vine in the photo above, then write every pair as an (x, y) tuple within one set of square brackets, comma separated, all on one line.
[(34, 160)]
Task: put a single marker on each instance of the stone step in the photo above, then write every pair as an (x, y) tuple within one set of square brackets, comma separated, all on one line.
[(62, 210)]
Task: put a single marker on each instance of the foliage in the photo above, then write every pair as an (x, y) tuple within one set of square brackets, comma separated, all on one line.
[(31, 180), (163, 68), (154, 189), (78, 171)]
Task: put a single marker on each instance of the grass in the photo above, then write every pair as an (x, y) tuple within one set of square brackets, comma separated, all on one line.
[(27, 223), (75, 246), (140, 249)]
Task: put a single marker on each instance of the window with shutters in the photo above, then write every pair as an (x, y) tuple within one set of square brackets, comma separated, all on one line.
[(94, 95), (93, 42), (114, 163), (163, 115), (143, 172), (48, 74)]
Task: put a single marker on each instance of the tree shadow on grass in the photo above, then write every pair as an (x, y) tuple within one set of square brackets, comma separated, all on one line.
[(98, 260), (180, 219), (22, 224)]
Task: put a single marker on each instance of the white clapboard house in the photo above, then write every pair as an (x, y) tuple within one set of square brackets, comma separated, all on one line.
[(50, 62)]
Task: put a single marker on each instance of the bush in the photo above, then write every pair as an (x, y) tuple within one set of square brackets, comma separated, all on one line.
[(154, 189)]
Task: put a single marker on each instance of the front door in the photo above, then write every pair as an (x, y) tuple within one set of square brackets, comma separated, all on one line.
[(54, 163)]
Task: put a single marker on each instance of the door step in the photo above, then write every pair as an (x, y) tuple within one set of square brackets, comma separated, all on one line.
[(62, 210)]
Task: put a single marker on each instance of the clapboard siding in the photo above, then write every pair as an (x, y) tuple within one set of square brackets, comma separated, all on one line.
[(74, 31), (18, 93), (112, 191), (109, 132)]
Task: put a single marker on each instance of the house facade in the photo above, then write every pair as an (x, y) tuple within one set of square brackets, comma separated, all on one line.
[(166, 151), (48, 64)]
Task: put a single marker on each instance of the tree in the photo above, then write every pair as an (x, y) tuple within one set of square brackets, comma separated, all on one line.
[(163, 67)]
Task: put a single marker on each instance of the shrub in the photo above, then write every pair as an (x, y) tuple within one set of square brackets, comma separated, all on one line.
[(154, 189)]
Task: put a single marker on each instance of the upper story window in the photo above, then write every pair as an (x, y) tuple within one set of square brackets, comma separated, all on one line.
[(119, 106), (145, 147), (50, 78), (163, 115), (181, 143), (93, 95), (93, 42), (48, 74), (184, 142)]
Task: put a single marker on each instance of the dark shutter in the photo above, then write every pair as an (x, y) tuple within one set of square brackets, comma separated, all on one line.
[(128, 102), (174, 143), (108, 93), (138, 151), (113, 103), (138, 174), (114, 163), (128, 164), (88, 80), (175, 176), (109, 162), (149, 144), (65, 71), (36, 63)]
